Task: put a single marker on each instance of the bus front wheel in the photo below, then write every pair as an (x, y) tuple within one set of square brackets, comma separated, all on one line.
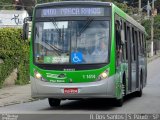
[(119, 102), (54, 102)]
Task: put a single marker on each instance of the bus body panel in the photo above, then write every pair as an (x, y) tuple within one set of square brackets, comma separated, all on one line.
[(77, 76), (142, 66), (100, 89)]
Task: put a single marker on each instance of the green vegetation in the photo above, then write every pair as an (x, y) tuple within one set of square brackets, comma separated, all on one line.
[(147, 25), (15, 53), (5, 5)]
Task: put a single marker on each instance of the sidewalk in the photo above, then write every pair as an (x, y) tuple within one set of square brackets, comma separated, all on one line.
[(153, 57), (21, 94), (15, 95)]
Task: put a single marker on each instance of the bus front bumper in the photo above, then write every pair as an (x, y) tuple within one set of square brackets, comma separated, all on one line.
[(100, 89)]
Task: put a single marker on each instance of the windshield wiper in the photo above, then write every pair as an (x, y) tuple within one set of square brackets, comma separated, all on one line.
[(83, 29), (57, 50), (85, 26), (55, 25), (61, 37)]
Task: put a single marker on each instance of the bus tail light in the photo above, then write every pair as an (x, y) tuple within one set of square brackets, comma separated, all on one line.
[(103, 75)]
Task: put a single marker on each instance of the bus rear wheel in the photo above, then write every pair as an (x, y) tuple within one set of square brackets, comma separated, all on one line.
[(140, 91), (54, 102)]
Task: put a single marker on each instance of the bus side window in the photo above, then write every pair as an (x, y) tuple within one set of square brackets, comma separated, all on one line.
[(143, 48), (139, 43), (124, 38), (128, 42), (136, 38), (133, 46), (118, 36), (118, 42), (126, 46)]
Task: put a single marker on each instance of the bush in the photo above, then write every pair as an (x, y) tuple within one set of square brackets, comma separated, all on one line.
[(15, 53)]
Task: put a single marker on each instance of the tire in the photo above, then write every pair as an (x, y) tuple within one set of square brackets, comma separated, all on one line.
[(140, 92), (119, 102), (54, 102)]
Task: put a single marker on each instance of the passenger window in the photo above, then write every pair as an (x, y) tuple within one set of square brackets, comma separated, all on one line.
[(118, 36), (125, 48), (140, 43), (128, 39), (133, 46), (136, 39), (143, 44), (118, 42)]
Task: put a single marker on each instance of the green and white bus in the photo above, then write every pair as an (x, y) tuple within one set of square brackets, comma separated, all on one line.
[(86, 49)]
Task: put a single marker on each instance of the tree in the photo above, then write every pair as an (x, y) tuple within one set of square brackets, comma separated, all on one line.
[(45, 1), (6, 4), (147, 25), (157, 5), (157, 27)]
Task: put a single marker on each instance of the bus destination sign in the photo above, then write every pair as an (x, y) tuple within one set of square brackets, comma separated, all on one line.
[(57, 12)]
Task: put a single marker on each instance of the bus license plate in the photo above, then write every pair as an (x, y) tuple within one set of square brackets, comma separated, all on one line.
[(70, 90)]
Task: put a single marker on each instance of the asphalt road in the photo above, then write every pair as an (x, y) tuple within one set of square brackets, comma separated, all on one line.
[(148, 103)]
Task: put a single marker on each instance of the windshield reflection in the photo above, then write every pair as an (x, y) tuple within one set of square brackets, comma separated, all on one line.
[(71, 42)]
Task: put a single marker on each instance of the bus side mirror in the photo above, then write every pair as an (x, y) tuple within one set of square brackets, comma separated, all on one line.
[(25, 31), (122, 37), (26, 28)]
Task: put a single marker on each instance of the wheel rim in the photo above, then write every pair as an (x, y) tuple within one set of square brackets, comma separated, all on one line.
[(123, 90)]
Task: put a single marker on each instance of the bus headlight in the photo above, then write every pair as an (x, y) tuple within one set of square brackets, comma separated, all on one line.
[(37, 75), (103, 75)]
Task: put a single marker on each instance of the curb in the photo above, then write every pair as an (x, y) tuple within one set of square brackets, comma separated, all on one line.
[(150, 59), (18, 102)]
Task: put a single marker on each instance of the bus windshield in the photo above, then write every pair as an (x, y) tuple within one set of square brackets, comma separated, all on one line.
[(71, 42)]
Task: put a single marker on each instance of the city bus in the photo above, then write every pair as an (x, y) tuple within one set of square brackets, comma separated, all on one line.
[(85, 50)]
